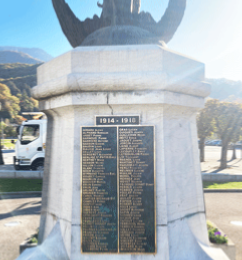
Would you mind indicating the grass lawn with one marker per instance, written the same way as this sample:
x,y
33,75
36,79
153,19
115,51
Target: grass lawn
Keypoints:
x,y
15,185
7,143
222,185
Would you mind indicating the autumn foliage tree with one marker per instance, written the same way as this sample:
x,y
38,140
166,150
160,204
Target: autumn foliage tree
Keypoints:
x,y
10,104
9,108
1,155
205,124
27,104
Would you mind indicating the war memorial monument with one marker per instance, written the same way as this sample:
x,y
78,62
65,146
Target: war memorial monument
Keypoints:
x,y
122,174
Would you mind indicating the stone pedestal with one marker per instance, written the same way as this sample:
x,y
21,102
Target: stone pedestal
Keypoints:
x,y
167,90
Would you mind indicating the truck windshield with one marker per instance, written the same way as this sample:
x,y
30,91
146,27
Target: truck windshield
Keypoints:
x,y
29,134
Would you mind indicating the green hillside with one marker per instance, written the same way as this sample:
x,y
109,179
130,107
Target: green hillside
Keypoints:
x,y
18,77
14,70
16,81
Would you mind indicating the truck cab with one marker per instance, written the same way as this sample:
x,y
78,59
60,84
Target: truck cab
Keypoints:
x,y
30,146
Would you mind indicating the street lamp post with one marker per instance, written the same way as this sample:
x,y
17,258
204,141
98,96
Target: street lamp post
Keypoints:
x,y
1,154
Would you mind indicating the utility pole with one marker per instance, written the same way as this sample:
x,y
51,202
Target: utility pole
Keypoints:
x,y
1,154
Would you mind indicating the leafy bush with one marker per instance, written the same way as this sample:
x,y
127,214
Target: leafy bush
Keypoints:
x,y
10,131
215,236
34,238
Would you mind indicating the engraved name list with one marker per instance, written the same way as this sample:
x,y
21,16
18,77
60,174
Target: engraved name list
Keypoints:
x,y
118,189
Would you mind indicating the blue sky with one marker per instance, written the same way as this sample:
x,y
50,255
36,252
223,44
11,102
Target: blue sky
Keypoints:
x,y
211,30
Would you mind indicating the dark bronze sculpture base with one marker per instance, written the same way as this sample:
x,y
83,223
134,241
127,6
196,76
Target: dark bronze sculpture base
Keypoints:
x,y
120,35
133,27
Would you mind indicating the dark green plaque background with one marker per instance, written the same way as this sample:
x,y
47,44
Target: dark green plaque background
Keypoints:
x,y
131,226
94,214
136,165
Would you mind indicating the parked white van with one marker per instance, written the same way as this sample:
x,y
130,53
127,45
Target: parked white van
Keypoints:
x,y
30,146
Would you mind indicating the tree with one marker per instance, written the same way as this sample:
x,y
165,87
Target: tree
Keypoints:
x,y
1,154
13,88
10,131
205,124
235,138
228,122
27,89
10,104
27,104
9,108
19,119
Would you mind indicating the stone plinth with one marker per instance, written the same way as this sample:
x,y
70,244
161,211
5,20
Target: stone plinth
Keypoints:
x,y
167,90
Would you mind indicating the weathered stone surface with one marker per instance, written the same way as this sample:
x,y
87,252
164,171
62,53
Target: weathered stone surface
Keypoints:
x,y
119,68
166,90
52,248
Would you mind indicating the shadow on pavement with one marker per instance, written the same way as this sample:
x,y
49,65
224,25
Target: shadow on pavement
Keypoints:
x,y
24,209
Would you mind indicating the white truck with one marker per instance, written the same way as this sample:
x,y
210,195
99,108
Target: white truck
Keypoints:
x,y
30,146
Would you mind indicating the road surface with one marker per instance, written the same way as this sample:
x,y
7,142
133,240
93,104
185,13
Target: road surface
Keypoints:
x,y
222,208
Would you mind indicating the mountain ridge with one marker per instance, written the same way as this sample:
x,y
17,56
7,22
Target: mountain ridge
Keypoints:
x,y
225,89
36,53
19,77
17,57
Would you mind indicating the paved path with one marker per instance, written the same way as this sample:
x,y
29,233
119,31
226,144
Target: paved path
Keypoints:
x,y
222,208
24,211
212,161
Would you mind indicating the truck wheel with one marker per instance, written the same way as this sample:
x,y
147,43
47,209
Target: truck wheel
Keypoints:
x,y
38,166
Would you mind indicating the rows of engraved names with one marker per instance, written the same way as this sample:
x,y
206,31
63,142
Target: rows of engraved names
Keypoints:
x,y
99,199
133,163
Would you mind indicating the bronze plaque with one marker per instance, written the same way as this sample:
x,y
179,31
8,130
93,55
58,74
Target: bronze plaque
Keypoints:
x,y
136,189
99,221
118,190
